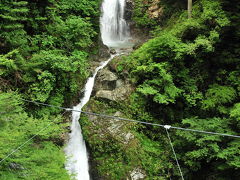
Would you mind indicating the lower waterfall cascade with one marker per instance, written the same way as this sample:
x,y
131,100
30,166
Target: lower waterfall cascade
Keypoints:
x,y
76,152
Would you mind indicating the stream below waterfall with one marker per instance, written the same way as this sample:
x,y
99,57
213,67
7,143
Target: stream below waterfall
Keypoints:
x,y
75,150
115,34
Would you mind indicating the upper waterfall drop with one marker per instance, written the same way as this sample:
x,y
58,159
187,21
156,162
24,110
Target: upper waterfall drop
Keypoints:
x,y
115,31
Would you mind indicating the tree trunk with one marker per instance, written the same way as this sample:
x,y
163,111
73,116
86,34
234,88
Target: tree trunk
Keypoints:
x,y
189,9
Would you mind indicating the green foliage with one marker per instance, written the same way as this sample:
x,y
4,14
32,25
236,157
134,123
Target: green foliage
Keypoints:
x,y
187,75
87,8
218,95
44,52
213,149
235,112
47,45
7,65
40,91
73,33
153,156
9,106
140,14
155,65
12,16
40,157
234,80
162,89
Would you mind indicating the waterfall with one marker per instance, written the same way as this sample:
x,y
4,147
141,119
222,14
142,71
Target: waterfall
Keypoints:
x,y
114,29
115,32
76,152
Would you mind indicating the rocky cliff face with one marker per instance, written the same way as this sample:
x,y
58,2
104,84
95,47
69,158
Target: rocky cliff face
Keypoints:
x,y
110,140
153,10
129,10
109,86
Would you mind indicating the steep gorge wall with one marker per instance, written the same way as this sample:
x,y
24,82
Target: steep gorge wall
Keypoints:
x,y
142,10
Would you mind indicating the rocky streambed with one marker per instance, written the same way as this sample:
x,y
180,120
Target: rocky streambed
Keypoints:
x,y
109,140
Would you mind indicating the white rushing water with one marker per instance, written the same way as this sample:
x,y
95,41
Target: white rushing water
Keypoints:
x,y
76,152
115,33
114,29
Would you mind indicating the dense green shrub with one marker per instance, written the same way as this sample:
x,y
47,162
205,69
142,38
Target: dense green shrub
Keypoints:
x,y
41,157
187,75
44,51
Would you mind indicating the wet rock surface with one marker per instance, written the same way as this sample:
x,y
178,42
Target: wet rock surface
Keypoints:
x,y
155,10
16,166
109,89
137,174
129,10
103,50
118,94
113,51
